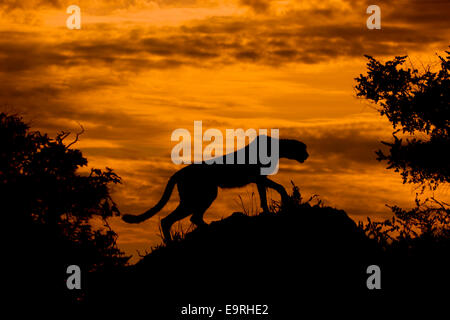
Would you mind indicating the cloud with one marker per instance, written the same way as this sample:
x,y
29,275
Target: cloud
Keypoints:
x,y
40,4
9,5
296,36
215,42
413,12
259,6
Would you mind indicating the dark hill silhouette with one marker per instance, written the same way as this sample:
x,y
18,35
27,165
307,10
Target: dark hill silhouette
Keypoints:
x,y
301,257
302,250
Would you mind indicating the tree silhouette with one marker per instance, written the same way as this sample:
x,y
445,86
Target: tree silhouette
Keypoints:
x,y
417,104
51,206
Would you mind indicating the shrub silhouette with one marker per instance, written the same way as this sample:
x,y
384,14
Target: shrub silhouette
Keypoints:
x,y
50,206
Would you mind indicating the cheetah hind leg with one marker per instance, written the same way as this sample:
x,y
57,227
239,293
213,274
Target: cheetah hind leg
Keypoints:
x,y
166,223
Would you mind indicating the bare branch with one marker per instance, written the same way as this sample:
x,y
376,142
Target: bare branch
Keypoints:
x,y
77,136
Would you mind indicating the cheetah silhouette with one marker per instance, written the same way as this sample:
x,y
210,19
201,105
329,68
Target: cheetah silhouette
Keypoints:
x,y
198,184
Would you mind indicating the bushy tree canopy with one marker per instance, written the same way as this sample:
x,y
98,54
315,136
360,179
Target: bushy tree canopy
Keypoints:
x,y
418,104
48,206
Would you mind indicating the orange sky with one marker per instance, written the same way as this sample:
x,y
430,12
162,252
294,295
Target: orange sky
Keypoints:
x,y
139,69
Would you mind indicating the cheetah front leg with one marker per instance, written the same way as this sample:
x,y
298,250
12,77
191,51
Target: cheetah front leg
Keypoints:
x,y
263,196
278,188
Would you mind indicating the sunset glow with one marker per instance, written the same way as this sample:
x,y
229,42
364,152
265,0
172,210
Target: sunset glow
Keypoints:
x,y
137,70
